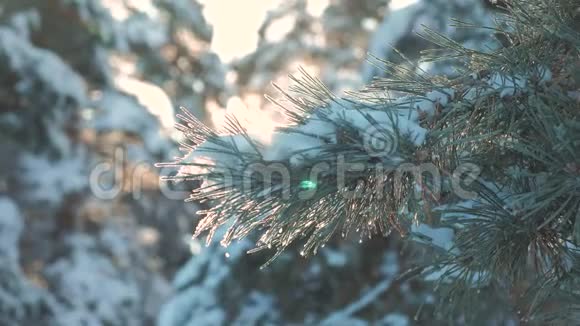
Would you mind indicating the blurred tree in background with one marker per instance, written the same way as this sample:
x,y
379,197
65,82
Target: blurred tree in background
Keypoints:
x,y
90,87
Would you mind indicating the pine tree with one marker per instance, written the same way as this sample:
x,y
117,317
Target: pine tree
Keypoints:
x,y
482,165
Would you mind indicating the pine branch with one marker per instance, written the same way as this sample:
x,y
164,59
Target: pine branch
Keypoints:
x,y
510,112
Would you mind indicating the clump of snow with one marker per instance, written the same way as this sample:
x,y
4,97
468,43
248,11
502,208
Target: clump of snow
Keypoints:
x,y
345,321
335,258
214,260
38,67
511,85
290,144
544,74
198,284
89,282
11,226
25,21
50,181
390,264
124,24
394,319
427,104
442,97
364,119
46,87
507,85
440,237
20,302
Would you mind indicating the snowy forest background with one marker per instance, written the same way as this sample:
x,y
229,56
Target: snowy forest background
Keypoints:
x,y
89,90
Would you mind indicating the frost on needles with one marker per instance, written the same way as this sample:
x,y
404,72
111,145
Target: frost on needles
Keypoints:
x,y
482,164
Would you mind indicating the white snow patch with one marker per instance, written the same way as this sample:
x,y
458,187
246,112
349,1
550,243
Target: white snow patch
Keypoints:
x,y
286,143
50,181
440,237
507,85
441,97
400,4
390,264
545,74
431,99
198,283
335,258
39,65
371,119
394,319
11,226
211,263
88,281
25,21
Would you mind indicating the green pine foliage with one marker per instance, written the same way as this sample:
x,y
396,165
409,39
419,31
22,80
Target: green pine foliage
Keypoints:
x,y
513,111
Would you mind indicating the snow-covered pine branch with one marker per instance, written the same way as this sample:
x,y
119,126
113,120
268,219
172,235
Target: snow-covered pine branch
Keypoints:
x,y
506,111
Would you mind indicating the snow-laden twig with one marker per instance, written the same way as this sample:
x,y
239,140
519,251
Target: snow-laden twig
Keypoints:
x,y
368,298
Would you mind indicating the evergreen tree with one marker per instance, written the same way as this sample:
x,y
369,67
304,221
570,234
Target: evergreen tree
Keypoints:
x,y
482,165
